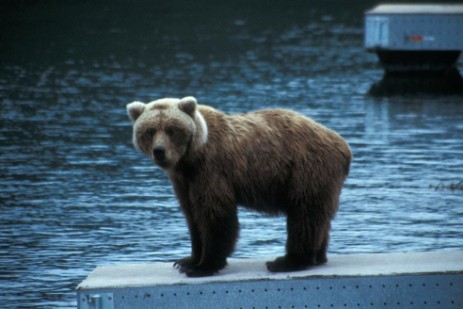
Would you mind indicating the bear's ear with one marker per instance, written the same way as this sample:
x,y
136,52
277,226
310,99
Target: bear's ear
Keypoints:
x,y
135,109
188,105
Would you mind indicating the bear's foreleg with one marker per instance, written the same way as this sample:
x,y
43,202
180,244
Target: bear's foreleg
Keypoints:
x,y
184,265
219,232
187,263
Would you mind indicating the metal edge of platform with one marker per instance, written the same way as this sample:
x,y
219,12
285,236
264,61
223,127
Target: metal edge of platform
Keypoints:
x,y
419,280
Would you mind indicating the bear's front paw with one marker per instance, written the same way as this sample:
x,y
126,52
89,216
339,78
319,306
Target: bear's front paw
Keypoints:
x,y
200,272
205,269
185,264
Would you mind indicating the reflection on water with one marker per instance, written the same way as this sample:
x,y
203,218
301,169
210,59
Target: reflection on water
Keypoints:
x,y
446,83
75,194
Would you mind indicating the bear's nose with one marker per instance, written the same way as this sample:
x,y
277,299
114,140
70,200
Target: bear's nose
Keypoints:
x,y
159,153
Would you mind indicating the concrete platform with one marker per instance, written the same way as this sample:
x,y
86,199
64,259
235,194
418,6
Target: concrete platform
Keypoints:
x,y
431,279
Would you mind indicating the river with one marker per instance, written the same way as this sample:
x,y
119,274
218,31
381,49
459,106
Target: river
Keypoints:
x,y
75,194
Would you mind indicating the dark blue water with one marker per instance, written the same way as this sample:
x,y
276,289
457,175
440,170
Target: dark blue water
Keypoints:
x,y
75,194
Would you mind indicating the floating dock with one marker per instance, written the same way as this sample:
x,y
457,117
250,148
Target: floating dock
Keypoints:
x,y
397,280
415,37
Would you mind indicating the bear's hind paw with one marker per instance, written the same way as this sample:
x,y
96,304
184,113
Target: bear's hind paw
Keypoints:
x,y
285,264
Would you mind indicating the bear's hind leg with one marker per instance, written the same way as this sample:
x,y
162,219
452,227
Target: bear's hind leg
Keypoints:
x,y
303,246
320,257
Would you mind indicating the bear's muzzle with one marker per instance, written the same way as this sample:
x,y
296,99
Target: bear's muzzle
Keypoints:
x,y
159,153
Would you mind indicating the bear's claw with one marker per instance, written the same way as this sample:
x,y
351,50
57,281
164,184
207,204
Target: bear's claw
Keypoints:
x,y
185,264
190,267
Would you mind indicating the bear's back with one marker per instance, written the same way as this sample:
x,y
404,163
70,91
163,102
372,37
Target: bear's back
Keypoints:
x,y
266,154
272,132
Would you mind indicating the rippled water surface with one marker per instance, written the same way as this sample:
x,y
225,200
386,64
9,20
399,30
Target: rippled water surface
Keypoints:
x,y
75,194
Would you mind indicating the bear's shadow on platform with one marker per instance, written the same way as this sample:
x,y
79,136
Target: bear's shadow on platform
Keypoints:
x,y
445,83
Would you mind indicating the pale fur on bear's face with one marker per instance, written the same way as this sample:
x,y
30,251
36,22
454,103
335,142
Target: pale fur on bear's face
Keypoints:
x,y
165,129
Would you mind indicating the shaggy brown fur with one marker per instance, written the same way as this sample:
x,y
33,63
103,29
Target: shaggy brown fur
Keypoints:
x,y
273,161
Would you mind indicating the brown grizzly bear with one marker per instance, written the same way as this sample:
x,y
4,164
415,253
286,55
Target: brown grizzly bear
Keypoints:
x,y
273,161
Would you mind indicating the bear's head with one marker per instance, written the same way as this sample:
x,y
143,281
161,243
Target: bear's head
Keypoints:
x,y
167,129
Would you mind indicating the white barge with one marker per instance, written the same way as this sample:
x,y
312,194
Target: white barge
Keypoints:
x,y
415,37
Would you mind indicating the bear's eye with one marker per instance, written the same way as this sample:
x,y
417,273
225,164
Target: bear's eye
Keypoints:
x,y
170,131
150,133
